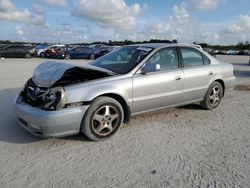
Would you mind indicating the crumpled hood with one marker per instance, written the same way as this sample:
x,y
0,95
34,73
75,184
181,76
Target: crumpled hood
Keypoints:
x,y
48,73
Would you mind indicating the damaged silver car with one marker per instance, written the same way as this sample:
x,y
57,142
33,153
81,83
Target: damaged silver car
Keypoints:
x,y
96,99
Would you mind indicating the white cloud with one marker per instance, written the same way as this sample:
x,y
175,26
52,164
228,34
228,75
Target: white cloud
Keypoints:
x,y
109,13
38,18
204,5
181,14
9,12
182,25
38,9
179,25
19,31
238,31
60,3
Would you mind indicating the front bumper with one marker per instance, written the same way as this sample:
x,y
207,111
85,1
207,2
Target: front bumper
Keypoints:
x,y
46,124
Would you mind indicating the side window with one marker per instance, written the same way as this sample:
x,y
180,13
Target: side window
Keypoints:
x,y
166,58
191,57
11,47
77,49
206,60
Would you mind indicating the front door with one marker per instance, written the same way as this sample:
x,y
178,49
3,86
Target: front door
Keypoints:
x,y
159,88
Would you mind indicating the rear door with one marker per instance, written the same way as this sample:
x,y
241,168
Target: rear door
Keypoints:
x,y
160,88
20,51
197,73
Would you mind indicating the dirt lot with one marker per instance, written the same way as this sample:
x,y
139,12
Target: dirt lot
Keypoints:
x,y
178,147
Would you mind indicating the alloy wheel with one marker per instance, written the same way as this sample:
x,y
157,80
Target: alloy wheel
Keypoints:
x,y
214,97
67,56
105,120
28,55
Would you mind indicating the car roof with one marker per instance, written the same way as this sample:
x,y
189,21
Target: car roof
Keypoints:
x,y
161,45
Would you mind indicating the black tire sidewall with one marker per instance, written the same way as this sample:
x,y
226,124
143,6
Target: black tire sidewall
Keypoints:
x,y
86,126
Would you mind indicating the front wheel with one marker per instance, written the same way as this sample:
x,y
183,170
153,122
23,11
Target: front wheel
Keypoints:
x,y
67,56
42,54
213,96
103,119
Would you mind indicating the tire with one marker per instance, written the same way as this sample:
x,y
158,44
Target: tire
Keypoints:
x,y
27,55
213,96
67,56
103,119
92,56
42,54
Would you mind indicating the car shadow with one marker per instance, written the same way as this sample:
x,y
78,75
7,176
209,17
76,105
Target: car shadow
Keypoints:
x,y
191,107
78,137
10,131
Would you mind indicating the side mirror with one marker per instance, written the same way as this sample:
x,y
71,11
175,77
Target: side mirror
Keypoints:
x,y
150,68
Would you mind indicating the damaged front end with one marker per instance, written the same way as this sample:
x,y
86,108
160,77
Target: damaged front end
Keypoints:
x,y
45,89
48,99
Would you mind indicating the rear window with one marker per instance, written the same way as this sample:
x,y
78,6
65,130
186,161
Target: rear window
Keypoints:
x,y
191,57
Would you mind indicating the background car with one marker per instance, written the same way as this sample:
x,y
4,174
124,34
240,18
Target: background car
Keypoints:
x,y
100,50
79,52
87,52
55,52
244,52
232,52
41,52
35,50
16,50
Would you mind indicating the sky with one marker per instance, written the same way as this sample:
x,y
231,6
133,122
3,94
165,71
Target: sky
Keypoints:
x,y
74,21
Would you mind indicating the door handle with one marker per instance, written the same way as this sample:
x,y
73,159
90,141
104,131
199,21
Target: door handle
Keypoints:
x,y
211,73
178,78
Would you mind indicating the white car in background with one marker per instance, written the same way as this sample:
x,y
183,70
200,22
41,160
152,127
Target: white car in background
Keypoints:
x,y
40,53
232,52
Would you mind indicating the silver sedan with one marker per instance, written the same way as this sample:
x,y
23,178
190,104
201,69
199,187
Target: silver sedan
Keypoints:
x,y
96,99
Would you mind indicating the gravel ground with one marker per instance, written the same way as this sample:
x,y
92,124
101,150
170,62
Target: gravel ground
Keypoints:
x,y
178,147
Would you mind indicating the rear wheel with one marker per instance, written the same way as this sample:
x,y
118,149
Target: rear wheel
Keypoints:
x,y
213,96
103,119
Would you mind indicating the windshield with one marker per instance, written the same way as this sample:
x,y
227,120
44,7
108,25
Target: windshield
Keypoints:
x,y
123,60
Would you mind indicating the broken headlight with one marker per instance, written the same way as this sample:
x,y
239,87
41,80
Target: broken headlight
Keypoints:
x,y
54,99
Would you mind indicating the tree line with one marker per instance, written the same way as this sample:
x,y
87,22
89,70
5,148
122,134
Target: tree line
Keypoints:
x,y
244,45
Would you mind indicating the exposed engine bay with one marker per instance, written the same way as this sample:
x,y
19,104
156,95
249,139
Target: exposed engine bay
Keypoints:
x,y
45,89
